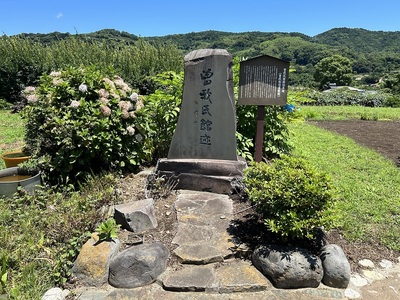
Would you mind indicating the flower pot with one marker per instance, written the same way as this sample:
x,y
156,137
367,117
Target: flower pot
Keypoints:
x,y
12,178
12,159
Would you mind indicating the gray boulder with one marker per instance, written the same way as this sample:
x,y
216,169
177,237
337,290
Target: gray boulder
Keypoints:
x,y
288,267
136,216
138,265
336,267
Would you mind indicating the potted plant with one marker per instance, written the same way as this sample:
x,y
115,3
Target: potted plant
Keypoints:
x,y
13,158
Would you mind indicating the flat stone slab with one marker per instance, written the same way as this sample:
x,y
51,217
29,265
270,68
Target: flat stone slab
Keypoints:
x,y
232,277
156,292
198,254
202,234
203,204
191,279
240,276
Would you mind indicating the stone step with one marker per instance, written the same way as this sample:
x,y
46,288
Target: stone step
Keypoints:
x,y
202,235
229,277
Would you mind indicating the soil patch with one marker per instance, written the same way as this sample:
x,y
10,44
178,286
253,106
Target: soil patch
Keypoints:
x,y
381,136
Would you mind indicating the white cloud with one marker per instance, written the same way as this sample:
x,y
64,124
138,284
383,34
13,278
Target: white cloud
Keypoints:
x,y
59,15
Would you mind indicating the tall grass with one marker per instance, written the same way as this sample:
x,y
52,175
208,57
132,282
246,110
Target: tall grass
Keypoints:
x,y
23,60
368,185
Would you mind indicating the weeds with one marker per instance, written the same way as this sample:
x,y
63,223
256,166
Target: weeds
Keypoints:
x,y
158,187
44,233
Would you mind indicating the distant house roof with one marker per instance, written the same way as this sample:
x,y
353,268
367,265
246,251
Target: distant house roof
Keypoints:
x,y
333,86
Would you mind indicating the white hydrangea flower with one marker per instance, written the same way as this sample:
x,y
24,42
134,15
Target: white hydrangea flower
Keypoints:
x,y
139,137
55,74
134,97
83,88
130,130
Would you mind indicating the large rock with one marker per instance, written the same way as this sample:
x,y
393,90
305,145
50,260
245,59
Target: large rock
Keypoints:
x,y
336,267
288,267
91,265
136,216
138,265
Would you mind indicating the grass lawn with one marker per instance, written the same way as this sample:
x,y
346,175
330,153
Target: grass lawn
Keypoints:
x,y
349,112
11,133
368,185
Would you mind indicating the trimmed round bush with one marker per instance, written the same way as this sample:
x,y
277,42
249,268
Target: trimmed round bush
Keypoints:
x,y
290,196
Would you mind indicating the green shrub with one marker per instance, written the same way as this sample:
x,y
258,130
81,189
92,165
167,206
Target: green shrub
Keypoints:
x,y
276,133
290,196
159,115
344,96
80,121
393,101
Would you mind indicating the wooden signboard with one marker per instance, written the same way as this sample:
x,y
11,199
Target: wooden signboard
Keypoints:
x,y
263,80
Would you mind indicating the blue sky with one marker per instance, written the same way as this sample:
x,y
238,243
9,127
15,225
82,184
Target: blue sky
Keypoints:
x,y
162,17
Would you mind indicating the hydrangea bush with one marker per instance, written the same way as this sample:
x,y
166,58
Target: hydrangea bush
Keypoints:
x,y
81,121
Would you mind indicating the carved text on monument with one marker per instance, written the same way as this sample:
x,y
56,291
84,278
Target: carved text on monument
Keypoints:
x,y
205,95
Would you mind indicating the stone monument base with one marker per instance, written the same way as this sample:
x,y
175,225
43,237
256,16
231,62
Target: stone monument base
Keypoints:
x,y
208,175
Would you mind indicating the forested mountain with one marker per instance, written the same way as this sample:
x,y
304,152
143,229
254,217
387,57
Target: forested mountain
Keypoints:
x,y
361,40
375,53
104,35
356,39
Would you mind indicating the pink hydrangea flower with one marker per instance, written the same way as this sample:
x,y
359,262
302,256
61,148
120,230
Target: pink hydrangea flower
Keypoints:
x,y
109,82
105,110
125,114
139,104
75,104
29,90
31,98
125,105
104,100
103,93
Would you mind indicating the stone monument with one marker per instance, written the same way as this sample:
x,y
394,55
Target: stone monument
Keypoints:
x,y
202,154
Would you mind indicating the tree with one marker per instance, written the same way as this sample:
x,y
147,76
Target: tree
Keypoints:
x,y
333,69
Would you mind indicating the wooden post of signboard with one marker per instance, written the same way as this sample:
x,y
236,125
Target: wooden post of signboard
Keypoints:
x,y
263,80
259,133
